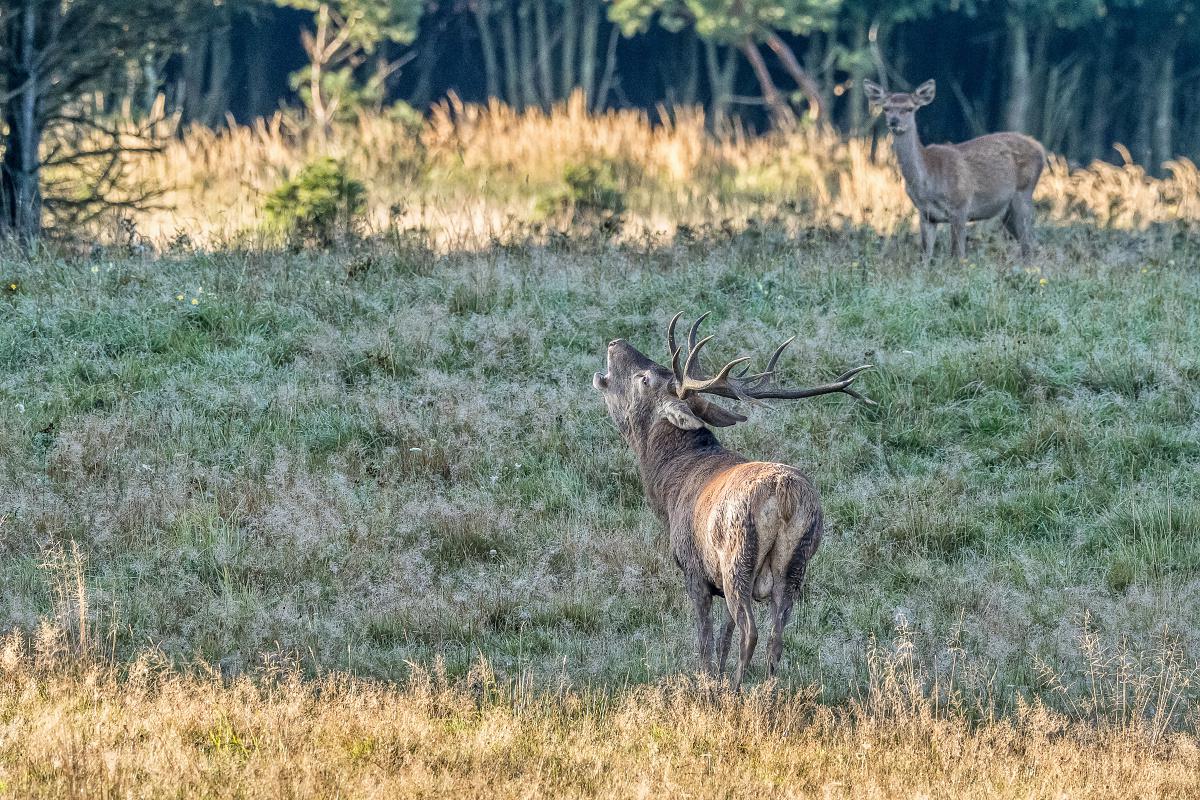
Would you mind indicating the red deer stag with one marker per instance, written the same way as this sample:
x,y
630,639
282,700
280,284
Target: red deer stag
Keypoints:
x,y
741,529
960,183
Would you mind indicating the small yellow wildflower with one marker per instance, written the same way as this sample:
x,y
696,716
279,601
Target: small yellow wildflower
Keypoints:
x,y
1043,281
195,301
12,286
95,269
179,297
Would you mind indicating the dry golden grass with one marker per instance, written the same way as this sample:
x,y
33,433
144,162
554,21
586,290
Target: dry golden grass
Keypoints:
x,y
73,729
472,173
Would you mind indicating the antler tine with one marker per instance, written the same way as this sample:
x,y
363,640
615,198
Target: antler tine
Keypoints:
x,y
674,348
719,384
695,328
692,345
778,352
671,346
693,355
676,370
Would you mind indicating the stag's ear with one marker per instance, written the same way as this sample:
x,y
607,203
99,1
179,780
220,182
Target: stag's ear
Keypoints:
x,y
875,93
925,93
712,413
679,414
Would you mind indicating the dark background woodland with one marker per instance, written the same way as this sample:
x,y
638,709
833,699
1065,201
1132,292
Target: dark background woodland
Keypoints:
x,y
1080,75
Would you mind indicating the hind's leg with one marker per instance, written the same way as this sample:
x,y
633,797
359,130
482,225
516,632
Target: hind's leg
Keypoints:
x,y
1010,221
1022,211
958,237
928,238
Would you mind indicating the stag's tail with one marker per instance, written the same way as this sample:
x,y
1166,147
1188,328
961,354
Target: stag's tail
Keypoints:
x,y
788,528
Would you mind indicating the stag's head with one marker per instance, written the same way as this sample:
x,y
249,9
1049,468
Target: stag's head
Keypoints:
x,y
639,392
900,108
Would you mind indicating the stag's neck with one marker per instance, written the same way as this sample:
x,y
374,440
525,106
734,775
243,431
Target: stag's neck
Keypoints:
x,y
674,463
911,155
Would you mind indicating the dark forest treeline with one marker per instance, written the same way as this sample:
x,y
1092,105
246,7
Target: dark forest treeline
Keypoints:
x,y
1077,75
1080,75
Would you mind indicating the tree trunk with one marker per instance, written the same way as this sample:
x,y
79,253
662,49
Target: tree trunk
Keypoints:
x,y
570,35
528,72
1143,144
512,73
857,111
720,82
20,178
781,114
1164,105
1101,99
610,71
491,67
544,53
427,63
587,49
216,92
690,69
812,92
1039,80
1016,114
195,59
257,69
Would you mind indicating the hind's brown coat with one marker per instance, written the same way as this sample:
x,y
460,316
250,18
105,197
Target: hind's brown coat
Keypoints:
x,y
979,179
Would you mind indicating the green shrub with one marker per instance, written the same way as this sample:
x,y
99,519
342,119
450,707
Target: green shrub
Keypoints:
x,y
320,205
593,194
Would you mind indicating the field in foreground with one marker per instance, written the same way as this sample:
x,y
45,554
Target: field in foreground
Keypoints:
x,y
84,733
385,461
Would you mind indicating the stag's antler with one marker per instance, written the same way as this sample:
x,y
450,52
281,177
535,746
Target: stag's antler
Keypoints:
x,y
689,378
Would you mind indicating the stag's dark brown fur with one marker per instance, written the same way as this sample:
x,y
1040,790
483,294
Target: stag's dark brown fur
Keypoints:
x,y
741,529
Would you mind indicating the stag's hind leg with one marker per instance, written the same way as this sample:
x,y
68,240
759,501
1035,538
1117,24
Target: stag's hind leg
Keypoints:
x,y
740,601
789,581
783,597
726,640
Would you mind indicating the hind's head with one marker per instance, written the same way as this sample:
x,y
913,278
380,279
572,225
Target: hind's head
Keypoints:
x,y
900,108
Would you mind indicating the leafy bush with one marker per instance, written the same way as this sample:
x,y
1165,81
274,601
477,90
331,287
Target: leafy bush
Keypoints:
x,y
593,195
320,205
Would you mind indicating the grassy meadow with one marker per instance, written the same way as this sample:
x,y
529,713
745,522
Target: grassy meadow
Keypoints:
x,y
278,521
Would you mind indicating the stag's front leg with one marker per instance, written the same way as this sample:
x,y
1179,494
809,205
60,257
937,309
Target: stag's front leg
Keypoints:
x,y
701,596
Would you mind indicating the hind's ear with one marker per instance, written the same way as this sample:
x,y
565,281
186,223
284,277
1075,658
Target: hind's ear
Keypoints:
x,y
679,414
713,414
925,93
875,93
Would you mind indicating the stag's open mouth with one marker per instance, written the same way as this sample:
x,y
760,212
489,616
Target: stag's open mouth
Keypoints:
x,y
897,128
600,380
